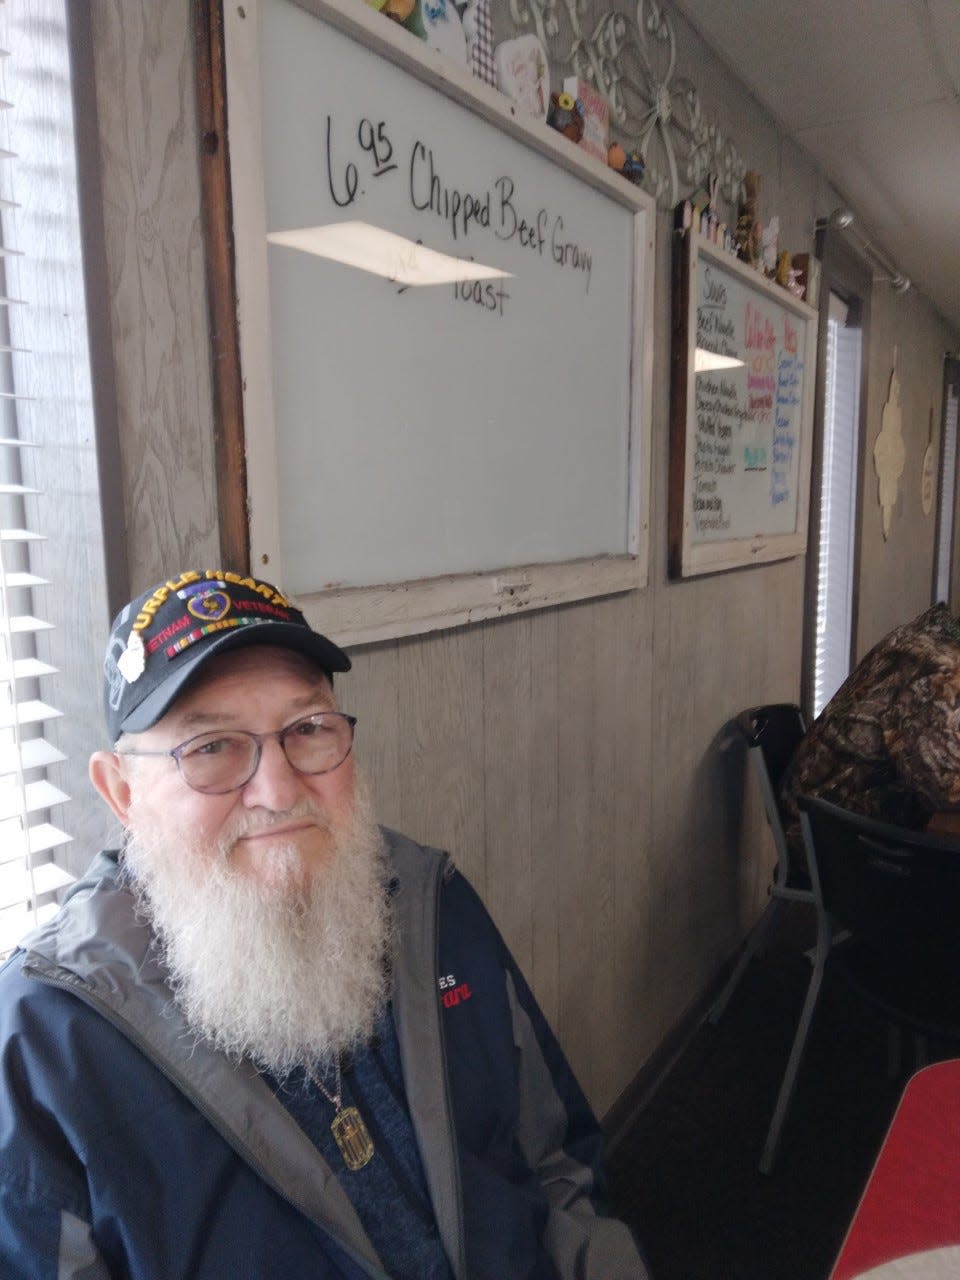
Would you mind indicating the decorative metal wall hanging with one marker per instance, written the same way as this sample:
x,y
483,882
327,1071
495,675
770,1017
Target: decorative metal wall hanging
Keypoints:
x,y
632,59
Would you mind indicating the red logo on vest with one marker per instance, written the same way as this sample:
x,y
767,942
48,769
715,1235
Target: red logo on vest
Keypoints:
x,y
453,992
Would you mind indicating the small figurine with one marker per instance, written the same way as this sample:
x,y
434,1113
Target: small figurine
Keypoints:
x,y
634,168
631,166
437,22
713,212
748,230
566,115
398,10
769,252
520,68
616,156
700,200
795,283
784,267
807,269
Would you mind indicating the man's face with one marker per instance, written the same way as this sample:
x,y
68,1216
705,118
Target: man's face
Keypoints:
x,y
275,829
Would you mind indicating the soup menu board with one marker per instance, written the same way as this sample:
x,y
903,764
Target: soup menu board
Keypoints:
x,y
741,414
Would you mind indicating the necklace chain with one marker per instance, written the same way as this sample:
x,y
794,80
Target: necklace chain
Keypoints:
x,y
335,1099
348,1126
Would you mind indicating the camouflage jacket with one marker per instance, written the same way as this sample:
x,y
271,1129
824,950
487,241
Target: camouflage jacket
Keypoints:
x,y
888,742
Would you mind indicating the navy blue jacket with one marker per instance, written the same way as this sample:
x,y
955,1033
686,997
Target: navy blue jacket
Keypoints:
x,y
129,1150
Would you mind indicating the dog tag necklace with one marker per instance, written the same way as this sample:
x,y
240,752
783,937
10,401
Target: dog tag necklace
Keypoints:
x,y
348,1128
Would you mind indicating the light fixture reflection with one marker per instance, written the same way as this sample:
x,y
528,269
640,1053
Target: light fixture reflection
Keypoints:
x,y
704,361
360,244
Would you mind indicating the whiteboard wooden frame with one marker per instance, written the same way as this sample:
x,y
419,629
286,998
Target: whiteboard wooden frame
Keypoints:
x,y
355,615
686,557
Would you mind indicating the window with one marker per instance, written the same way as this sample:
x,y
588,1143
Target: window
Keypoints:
x,y
49,470
838,504
29,877
948,481
830,612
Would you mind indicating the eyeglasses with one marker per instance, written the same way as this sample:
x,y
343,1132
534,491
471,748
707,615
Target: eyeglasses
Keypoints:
x,y
215,763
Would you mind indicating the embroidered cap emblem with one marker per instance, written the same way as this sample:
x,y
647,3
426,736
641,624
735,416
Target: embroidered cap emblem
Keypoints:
x,y
210,606
132,661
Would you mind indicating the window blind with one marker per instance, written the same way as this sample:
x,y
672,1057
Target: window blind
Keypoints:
x,y
29,876
838,504
948,489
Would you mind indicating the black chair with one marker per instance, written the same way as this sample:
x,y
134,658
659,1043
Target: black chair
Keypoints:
x,y
771,734
897,892
888,909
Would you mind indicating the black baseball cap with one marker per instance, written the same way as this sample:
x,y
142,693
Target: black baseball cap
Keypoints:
x,y
160,641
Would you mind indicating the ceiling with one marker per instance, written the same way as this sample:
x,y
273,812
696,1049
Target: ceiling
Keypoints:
x,y
870,89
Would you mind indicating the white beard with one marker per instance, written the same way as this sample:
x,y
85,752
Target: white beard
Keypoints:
x,y
285,974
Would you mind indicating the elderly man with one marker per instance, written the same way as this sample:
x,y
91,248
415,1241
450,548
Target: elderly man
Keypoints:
x,y
268,1038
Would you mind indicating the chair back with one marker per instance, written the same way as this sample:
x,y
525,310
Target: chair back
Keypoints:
x,y
772,734
880,881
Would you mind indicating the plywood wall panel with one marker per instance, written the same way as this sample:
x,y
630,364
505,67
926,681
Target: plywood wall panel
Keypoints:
x,y
584,881
440,720
520,735
707,870
371,692
626,649
151,196
548,715
896,574
604,770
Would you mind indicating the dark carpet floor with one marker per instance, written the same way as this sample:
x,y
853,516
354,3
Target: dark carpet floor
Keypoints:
x,y
685,1176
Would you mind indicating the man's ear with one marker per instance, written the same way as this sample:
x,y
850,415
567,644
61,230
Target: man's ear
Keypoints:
x,y
107,776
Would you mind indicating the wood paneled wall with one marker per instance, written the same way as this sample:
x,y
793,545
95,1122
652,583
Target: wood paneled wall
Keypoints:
x,y
577,762
897,573
597,808
151,204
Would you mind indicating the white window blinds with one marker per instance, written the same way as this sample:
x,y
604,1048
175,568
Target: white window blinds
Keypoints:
x,y
838,503
29,875
948,489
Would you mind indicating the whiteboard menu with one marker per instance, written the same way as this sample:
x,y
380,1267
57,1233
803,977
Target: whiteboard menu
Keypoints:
x,y
741,429
467,433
